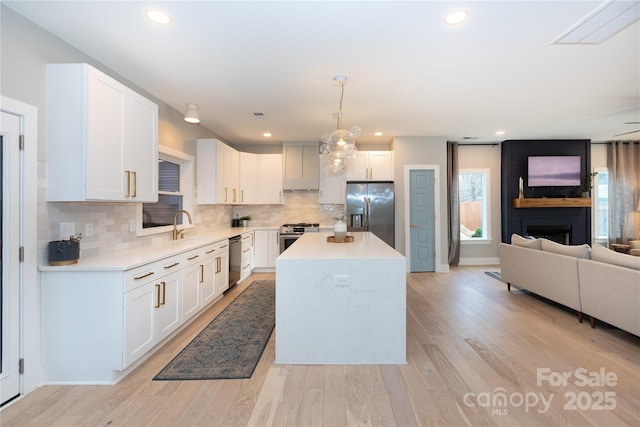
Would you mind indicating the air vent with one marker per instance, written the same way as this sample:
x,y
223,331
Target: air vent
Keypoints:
x,y
602,23
258,115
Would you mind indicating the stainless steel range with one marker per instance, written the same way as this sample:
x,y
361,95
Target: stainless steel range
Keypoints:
x,y
289,233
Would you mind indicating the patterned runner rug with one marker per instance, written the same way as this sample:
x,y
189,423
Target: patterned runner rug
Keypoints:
x,y
230,346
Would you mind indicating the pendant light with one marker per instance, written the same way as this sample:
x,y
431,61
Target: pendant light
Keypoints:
x,y
338,148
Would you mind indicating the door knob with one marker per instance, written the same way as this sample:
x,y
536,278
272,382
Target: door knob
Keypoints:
x,y
414,225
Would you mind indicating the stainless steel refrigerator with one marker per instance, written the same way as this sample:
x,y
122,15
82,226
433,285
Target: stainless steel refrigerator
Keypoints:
x,y
370,207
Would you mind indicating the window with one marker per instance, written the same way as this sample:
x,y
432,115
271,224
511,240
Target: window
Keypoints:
x,y
600,201
175,192
474,203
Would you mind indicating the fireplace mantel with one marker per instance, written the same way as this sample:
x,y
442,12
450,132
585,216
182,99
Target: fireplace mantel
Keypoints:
x,y
545,202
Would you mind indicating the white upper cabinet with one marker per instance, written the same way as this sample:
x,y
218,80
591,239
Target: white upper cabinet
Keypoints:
x,y
270,179
248,178
371,166
300,166
218,172
102,138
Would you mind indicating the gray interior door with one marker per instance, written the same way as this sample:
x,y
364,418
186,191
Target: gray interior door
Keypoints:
x,y
422,220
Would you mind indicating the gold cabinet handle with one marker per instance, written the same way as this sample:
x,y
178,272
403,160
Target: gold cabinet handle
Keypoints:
x,y
158,295
128,184
234,195
225,194
193,257
164,292
242,196
209,251
166,267
135,184
151,273
201,273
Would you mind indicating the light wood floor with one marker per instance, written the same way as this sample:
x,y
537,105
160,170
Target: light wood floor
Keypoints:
x,y
469,341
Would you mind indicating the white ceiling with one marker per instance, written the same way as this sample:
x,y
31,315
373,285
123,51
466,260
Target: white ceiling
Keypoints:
x,y
409,73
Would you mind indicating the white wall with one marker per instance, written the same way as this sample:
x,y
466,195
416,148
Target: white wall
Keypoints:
x,y
425,150
484,157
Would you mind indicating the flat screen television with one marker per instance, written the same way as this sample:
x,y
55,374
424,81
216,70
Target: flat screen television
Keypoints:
x,y
554,171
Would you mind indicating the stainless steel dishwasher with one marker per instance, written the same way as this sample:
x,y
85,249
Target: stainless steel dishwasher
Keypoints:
x,y
235,259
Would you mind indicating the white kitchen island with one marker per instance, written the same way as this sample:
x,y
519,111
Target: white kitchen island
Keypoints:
x,y
340,303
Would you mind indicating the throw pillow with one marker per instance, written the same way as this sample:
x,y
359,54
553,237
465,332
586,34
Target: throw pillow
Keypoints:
x,y
602,254
518,240
578,251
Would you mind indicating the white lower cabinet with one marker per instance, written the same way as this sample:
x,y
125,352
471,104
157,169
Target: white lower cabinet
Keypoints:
x,y
266,248
97,322
152,313
191,279
246,257
152,308
222,270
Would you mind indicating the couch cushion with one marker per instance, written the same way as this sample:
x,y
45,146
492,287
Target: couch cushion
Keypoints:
x,y
578,251
518,240
602,254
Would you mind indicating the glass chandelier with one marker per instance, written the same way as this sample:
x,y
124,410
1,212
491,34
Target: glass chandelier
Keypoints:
x,y
338,148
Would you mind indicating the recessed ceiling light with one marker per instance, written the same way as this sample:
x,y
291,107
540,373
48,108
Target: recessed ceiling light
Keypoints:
x,y
378,134
456,17
500,132
158,16
267,134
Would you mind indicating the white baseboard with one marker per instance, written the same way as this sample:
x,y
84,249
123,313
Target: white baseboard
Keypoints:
x,y
479,261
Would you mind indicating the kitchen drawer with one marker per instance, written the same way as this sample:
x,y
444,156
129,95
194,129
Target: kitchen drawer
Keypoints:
x,y
192,257
139,276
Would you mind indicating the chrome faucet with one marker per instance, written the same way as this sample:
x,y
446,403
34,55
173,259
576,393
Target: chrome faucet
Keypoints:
x,y
177,232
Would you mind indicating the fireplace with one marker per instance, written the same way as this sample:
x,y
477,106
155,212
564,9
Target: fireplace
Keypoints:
x,y
560,233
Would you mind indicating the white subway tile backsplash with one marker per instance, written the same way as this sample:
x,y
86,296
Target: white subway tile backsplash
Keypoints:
x,y
111,220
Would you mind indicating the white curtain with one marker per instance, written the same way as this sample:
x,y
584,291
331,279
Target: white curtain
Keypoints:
x,y
623,162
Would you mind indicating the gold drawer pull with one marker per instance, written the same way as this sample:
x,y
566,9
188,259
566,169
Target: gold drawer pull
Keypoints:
x,y
166,267
144,275
193,257
135,184
201,273
164,292
158,299
128,184
209,251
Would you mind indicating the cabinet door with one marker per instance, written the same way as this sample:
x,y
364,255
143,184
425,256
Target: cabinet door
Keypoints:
x,y
222,274
332,189
232,174
208,280
227,173
168,300
139,330
261,249
141,149
191,277
270,179
249,178
358,169
300,169
104,169
381,165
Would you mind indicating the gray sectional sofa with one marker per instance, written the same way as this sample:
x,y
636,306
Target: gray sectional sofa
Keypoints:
x,y
595,281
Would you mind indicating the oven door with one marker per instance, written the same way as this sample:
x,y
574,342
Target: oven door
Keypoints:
x,y
287,240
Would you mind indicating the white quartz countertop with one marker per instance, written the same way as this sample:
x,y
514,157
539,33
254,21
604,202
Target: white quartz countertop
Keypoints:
x,y
127,259
366,245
